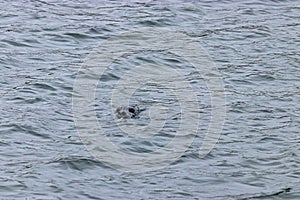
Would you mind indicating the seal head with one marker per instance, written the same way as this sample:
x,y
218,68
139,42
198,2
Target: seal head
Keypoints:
x,y
125,112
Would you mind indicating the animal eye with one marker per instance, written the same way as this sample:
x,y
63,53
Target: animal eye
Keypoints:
x,y
131,110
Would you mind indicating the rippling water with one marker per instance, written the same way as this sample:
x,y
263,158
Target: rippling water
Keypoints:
x,y
255,45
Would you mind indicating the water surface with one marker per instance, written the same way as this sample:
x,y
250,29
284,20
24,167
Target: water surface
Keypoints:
x,y
255,46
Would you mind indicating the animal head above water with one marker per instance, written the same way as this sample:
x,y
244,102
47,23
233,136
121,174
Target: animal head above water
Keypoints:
x,y
126,112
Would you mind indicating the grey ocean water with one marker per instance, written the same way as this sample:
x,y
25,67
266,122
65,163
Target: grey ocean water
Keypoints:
x,y
255,45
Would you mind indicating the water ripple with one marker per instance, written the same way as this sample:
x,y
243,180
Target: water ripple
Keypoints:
x,y
255,45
